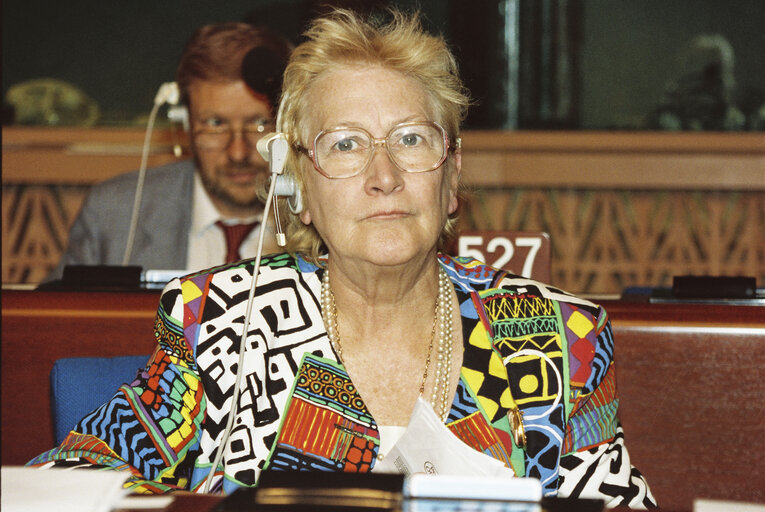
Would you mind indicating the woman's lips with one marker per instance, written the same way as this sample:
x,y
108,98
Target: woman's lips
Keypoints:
x,y
386,215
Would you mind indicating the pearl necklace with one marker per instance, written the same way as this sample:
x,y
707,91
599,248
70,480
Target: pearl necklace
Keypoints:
x,y
443,314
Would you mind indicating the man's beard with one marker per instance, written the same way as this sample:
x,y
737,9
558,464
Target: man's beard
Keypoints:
x,y
220,192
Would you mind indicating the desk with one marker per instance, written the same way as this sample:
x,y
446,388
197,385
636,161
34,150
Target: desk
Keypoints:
x,y
182,503
691,380
204,503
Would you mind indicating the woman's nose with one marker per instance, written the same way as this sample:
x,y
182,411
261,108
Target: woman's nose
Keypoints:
x,y
383,174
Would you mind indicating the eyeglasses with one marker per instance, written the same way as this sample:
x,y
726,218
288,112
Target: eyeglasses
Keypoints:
x,y
345,152
213,136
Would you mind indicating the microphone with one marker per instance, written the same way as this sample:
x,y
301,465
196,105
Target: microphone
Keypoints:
x,y
262,71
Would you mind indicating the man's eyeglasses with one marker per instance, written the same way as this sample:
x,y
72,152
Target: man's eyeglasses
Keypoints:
x,y
214,136
345,152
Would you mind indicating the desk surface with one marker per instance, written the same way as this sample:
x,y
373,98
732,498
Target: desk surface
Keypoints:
x,y
182,503
642,313
204,503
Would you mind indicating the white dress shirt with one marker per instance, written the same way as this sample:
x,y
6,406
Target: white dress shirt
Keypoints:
x,y
207,243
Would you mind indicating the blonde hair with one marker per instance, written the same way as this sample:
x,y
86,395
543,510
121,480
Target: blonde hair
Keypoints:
x,y
343,38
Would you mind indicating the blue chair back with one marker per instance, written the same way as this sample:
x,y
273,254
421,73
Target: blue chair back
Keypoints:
x,y
80,384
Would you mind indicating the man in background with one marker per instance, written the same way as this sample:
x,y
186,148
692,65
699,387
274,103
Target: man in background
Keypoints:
x,y
202,212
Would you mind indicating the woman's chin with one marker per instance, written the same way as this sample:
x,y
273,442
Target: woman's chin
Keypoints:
x,y
391,249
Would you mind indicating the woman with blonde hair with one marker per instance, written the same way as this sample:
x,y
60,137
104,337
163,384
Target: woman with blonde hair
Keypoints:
x,y
364,320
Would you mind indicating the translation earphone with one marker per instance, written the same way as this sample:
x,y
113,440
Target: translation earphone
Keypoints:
x,y
275,153
274,146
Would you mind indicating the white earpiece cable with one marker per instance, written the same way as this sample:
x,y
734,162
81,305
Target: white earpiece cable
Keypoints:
x,y
277,166
167,93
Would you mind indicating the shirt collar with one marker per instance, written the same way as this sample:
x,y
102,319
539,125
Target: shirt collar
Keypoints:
x,y
204,214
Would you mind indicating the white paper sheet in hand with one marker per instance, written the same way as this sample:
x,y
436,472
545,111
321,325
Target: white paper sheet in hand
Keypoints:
x,y
429,447
45,490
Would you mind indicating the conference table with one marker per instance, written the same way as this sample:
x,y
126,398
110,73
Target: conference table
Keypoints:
x,y
189,503
690,377
182,503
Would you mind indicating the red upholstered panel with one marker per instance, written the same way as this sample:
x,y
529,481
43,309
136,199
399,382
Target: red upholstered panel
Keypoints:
x,y
691,381
40,327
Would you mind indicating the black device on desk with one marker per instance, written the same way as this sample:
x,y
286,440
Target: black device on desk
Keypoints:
x,y
110,278
711,290
729,290
322,491
318,491
714,287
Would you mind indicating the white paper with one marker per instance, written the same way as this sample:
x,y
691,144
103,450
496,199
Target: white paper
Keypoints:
x,y
153,502
701,505
60,490
428,446
473,487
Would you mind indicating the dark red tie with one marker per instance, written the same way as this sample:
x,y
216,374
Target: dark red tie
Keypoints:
x,y
235,234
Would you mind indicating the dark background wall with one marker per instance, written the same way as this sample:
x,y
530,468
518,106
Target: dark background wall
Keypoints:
x,y
120,52
630,49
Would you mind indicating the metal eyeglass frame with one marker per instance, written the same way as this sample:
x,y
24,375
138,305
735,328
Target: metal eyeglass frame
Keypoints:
x,y
261,130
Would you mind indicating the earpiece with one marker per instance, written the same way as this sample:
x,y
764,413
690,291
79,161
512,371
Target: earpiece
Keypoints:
x,y
274,148
179,114
168,93
265,147
286,186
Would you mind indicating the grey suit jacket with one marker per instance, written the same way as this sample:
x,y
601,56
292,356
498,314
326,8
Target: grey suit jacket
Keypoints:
x,y
99,234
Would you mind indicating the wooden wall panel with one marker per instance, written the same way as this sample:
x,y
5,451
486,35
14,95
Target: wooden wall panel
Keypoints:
x,y
606,240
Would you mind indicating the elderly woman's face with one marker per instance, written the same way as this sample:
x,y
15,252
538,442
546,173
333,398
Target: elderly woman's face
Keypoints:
x,y
384,215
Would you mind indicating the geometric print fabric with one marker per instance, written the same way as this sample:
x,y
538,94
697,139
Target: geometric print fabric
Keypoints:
x,y
518,347
590,424
527,340
326,425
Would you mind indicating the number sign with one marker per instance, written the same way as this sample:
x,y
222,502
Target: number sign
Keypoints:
x,y
526,253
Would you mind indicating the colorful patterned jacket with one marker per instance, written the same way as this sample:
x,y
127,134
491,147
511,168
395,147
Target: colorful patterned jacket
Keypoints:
x,y
549,352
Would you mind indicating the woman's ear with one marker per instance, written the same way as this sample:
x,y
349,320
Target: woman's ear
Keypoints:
x,y
454,180
305,216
